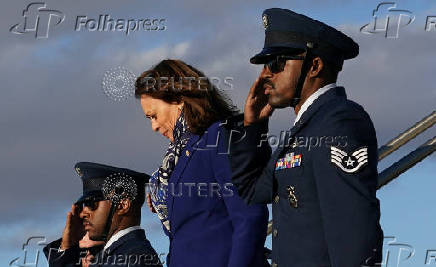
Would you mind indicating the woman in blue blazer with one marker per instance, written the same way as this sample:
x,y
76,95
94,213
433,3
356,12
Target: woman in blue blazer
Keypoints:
x,y
207,223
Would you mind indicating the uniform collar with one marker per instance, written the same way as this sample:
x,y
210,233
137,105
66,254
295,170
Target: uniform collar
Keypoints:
x,y
330,95
120,234
312,98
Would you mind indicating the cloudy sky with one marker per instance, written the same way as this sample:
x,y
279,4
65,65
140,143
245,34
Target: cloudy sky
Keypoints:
x,y
54,113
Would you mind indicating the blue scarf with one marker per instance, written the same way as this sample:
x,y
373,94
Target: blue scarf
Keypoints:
x,y
159,179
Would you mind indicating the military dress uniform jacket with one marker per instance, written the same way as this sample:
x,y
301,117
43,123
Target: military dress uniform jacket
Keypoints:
x,y
323,195
130,250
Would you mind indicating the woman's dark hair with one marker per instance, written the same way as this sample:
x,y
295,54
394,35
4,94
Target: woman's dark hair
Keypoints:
x,y
174,81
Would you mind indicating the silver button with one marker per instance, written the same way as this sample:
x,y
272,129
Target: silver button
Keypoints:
x,y
276,199
275,233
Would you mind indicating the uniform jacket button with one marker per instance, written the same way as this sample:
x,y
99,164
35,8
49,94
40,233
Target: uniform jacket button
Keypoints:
x,y
187,153
275,232
276,199
274,264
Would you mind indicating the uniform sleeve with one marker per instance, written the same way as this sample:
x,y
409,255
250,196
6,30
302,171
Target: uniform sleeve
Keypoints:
x,y
67,258
249,221
346,179
252,172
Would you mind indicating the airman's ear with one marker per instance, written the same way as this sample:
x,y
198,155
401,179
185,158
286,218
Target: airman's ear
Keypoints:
x,y
124,206
316,68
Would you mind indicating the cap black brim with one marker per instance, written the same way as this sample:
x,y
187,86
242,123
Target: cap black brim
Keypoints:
x,y
266,53
93,195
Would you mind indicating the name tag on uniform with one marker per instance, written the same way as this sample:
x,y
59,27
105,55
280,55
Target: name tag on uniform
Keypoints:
x,y
289,161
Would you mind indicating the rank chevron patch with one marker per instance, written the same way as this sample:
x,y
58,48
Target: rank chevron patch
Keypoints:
x,y
349,163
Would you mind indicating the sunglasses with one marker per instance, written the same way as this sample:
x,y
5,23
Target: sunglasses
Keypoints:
x,y
91,204
277,64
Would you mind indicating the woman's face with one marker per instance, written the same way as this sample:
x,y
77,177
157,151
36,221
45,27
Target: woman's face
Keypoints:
x,y
163,115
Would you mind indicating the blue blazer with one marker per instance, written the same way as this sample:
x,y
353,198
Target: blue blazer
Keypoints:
x,y
210,225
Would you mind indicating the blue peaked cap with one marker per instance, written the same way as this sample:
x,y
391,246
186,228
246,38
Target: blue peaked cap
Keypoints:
x,y
287,32
93,176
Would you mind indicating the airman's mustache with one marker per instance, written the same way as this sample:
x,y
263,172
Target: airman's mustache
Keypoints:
x,y
266,81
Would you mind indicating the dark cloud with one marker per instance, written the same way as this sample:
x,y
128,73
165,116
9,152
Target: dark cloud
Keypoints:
x,y
52,101
54,112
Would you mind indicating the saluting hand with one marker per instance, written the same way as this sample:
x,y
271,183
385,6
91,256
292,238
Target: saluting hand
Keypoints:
x,y
256,105
74,230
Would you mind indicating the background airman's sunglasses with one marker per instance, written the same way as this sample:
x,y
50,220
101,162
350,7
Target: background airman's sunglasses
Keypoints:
x,y
90,203
277,63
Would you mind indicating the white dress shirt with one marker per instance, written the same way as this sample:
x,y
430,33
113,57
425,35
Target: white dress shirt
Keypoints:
x,y
312,98
119,234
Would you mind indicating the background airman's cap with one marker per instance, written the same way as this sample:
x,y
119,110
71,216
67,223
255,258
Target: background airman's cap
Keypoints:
x,y
98,178
287,32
